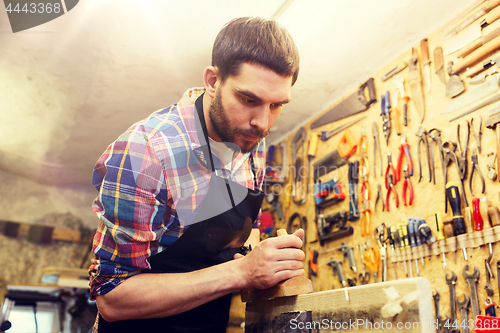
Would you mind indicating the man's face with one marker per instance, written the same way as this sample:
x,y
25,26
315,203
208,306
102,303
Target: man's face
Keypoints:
x,y
246,105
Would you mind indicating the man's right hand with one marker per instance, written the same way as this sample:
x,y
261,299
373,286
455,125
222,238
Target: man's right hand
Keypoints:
x,y
273,260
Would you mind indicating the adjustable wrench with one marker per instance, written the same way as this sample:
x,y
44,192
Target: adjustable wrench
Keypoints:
x,y
452,281
472,283
463,306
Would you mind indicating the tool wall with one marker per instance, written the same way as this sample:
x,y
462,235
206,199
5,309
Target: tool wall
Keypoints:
x,y
429,212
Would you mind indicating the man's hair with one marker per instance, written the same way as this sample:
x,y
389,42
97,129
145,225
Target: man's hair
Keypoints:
x,y
255,40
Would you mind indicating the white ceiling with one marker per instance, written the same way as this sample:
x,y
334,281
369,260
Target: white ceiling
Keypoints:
x,y
69,87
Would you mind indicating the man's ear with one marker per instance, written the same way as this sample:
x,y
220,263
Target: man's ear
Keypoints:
x,y
210,80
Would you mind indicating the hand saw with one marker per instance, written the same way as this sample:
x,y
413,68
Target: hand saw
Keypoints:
x,y
353,104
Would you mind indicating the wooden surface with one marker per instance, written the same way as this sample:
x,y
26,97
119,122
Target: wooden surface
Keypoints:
x,y
332,309
428,197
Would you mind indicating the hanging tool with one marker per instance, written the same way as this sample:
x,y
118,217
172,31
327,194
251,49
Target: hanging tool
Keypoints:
x,y
477,106
379,197
475,44
407,186
402,65
471,280
366,222
405,241
327,164
398,243
492,173
462,153
337,268
422,137
392,241
415,82
463,306
333,226
376,148
412,240
489,5
489,308
475,95
353,190
390,189
424,48
474,71
451,282
440,234
379,235
435,135
313,267
479,133
311,154
439,63
449,155
328,193
475,56
364,277
327,135
404,149
489,275
386,116
297,142
371,258
425,233
353,104
347,145
441,322
418,237
474,166
492,123
399,82
362,151
458,219
348,252
483,210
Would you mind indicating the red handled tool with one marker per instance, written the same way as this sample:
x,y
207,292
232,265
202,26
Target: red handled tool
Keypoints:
x,y
404,149
407,186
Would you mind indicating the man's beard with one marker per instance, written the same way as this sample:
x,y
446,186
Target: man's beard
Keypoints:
x,y
221,126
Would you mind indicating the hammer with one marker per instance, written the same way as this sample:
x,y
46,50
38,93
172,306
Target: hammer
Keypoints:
x,y
492,123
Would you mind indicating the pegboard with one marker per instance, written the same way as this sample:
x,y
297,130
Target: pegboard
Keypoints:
x,y
429,198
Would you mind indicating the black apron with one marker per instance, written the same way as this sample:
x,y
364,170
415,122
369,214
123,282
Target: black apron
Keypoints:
x,y
206,243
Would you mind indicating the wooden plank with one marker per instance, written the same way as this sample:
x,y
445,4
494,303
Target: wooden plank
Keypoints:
x,y
331,310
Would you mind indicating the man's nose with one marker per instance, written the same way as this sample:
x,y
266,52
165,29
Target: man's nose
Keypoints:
x,y
260,118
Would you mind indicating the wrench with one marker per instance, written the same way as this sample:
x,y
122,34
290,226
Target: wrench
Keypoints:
x,y
440,321
472,283
463,306
452,281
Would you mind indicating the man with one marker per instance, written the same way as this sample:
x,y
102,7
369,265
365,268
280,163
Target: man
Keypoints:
x,y
179,194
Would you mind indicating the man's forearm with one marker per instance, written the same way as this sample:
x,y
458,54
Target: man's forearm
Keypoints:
x,y
151,295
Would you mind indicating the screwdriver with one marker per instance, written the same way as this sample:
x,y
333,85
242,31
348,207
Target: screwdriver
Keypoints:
x,y
391,243
418,239
453,195
483,209
313,267
413,240
440,235
397,245
405,241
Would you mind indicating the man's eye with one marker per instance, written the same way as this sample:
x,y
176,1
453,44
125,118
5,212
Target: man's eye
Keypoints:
x,y
248,101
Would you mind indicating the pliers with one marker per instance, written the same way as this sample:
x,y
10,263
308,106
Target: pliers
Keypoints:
x,y
404,149
477,134
390,189
379,197
407,186
390,168
462,153
474,166
422,137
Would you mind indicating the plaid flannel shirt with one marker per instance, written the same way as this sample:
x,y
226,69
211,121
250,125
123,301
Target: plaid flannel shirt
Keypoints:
x,y
140,178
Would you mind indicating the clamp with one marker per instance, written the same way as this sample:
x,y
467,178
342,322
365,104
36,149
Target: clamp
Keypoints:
x,y
407,186
474,166
379,197
404,149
